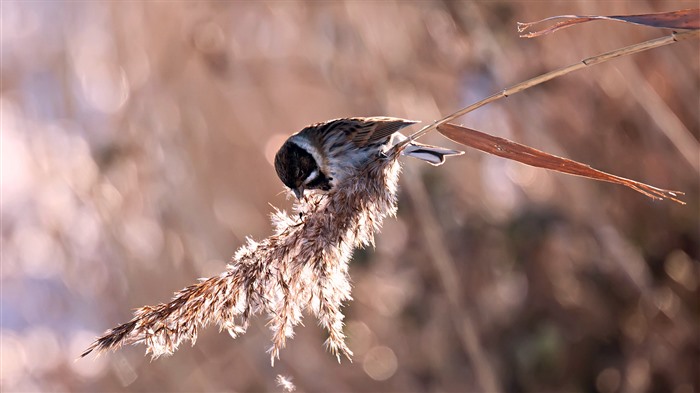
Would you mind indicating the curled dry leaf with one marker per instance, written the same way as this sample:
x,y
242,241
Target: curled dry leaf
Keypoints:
x,y
527,155
682,19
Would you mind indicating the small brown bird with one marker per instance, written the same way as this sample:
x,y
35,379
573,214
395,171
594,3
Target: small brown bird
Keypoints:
x,y
322,155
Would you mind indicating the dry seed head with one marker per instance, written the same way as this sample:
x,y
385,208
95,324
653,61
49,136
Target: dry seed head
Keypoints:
x,y
303,266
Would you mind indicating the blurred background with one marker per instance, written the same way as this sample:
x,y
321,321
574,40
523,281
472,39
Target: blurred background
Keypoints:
x,y
137,147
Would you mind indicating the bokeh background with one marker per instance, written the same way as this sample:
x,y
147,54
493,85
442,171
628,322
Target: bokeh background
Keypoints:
x,y
137,147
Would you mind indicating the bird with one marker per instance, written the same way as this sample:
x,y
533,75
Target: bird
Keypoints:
x,y
322,155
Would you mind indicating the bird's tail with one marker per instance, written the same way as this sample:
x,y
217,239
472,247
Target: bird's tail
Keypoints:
x,y
433,155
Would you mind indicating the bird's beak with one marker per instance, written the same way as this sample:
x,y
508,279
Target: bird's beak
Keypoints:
x,y
298,192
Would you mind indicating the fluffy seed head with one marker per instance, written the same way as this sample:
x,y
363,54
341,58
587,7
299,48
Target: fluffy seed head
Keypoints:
x,y
301,267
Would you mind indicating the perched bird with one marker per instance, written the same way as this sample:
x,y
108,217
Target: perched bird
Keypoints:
x,y
302,267
322,155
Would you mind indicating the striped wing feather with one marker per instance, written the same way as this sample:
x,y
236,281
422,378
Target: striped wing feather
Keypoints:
x,y
374,129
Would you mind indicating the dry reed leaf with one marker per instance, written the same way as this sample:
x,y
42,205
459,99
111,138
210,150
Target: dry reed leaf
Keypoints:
x,y
527,155
681,19
522,86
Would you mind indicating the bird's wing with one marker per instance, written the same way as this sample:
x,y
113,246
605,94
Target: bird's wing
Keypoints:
x,y
373,129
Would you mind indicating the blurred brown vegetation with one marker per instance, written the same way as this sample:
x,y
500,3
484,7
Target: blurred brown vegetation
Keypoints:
x,y
137,140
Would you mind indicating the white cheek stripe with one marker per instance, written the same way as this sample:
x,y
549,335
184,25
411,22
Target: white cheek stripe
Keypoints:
x,y
311,149
313,175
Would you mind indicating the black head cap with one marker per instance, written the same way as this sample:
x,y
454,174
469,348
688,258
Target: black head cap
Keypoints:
x,y
294,165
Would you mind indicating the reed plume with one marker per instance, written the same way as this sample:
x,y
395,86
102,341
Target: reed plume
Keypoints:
x,y
302,267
